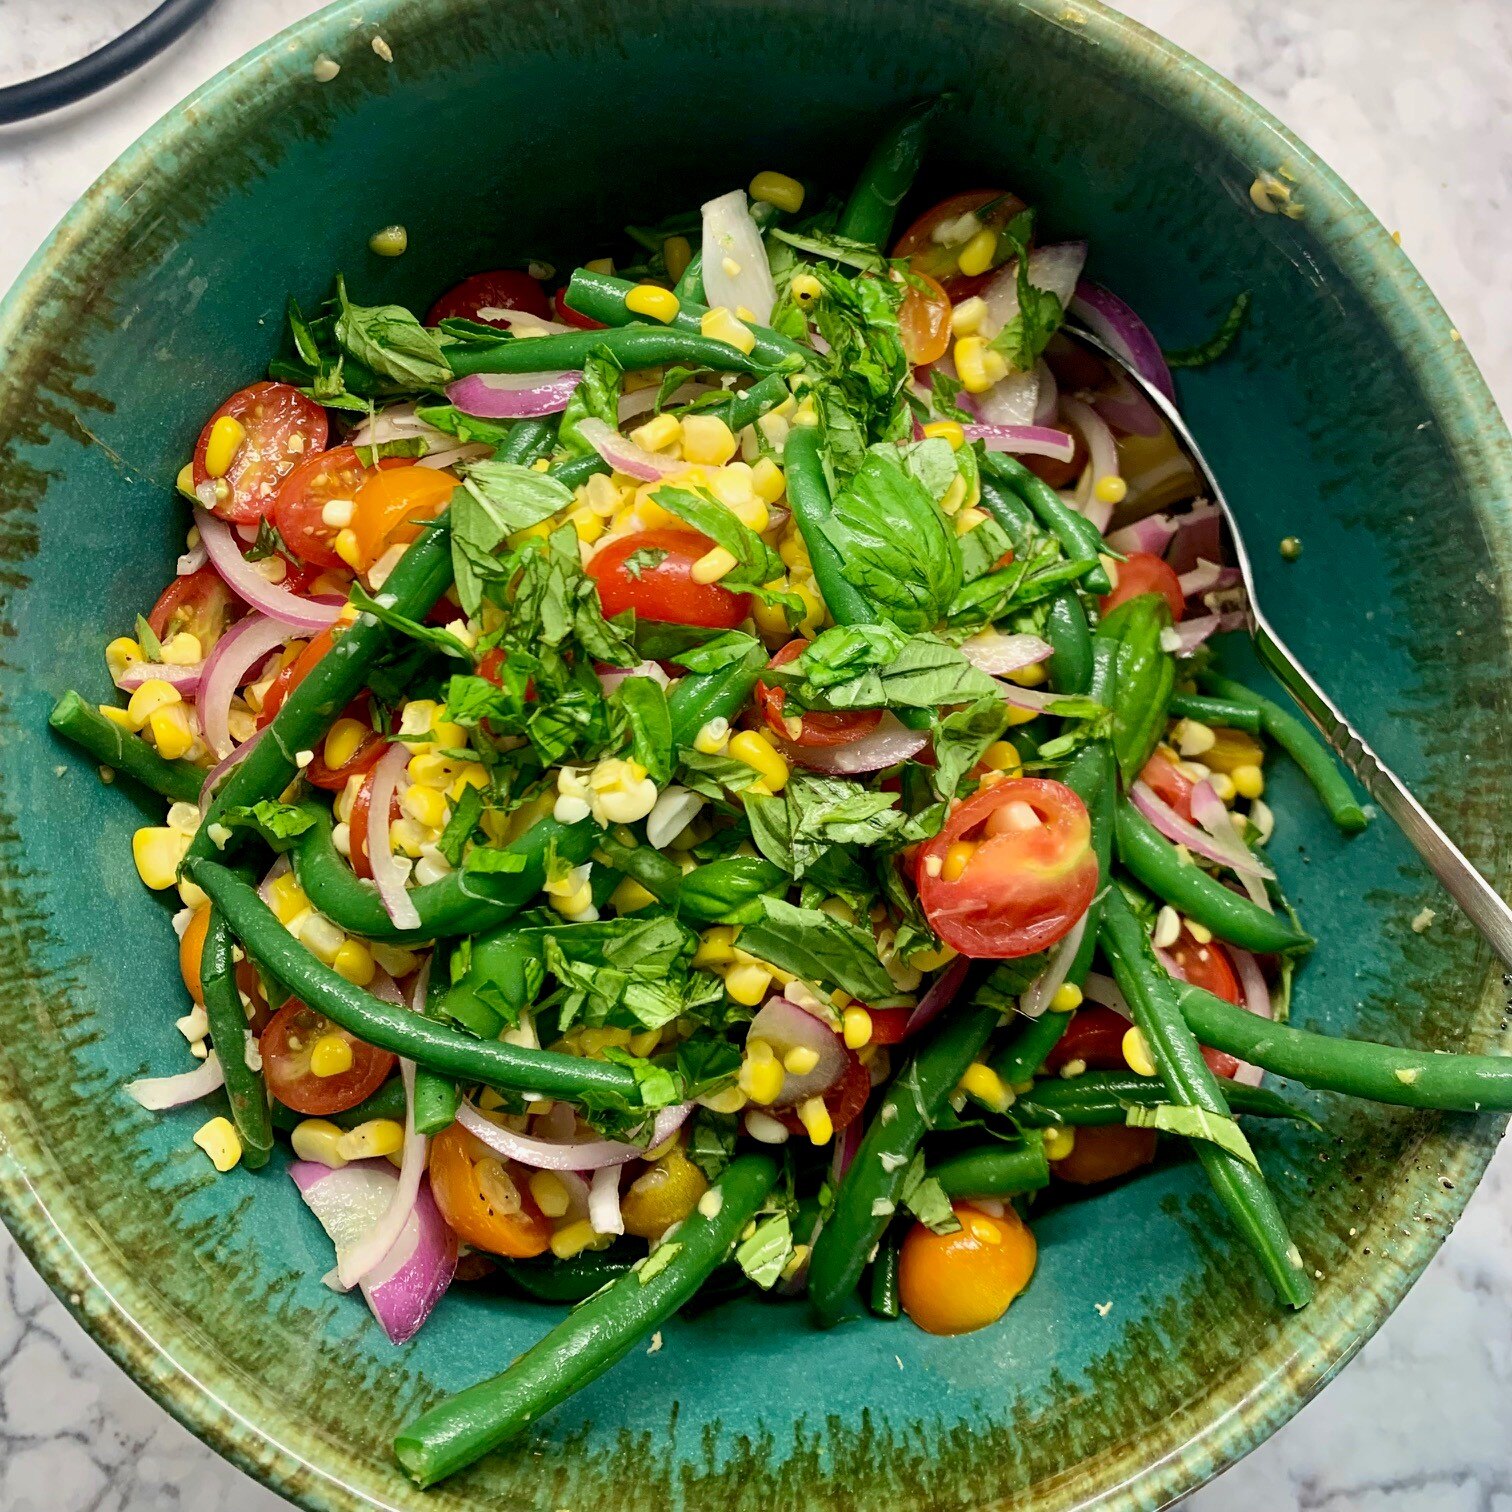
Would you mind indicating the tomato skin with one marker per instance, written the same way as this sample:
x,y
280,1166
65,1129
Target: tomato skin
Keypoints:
x,y
199,602
1105,1153
1145,573
283,428
844,1100
666,592
819,727
357,825
927,256
888,1025
924,322
956,1283
468,1182
285,1046
568,316
393,503
1169,783
1021,890
1095,1037
192,950
367,755
1209,967
500,289
292,675
335,474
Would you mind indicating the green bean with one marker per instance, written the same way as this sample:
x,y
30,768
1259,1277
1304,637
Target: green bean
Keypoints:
x,y
1225,712
868,1194
389,1027
1357,1068
386,1102
601,296
886,178
435,1096
107,742
501,959
1239,1185
632,346
1298,742
995,1169
595,1336
1070,643
572,1280
690,287
1104,1097
1078,536
245,1089
713,893
883,1298
1010,512
1191,891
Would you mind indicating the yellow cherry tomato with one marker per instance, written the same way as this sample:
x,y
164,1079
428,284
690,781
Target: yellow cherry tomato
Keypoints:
x,y
955,1283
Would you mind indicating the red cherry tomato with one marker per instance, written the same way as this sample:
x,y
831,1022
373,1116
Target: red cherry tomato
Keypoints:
x,y
1095,1037
924,322
304,494
292,675
888,1025
1101,1154
286,1044
283,428
1056,473
1144,573
666,591
1209,967
844,1101
199,603
1169,783
818,727
942,262
1027,878
367,755
502,289
568,316
357,825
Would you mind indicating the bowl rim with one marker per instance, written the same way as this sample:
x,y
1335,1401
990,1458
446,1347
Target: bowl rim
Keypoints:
x,y
1205,1436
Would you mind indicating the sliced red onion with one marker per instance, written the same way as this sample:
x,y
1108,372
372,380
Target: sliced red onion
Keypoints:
x,y
1191,633
370,1250
1037,699
279,868
1024,440
249,585
993,652
785,1026
513,396
217,773
247,644
1199,842
942,992
389,872
846,1145
1119,328
1207,576
185,679
1013,400
604,1201
1047,401
1209,812
675,809
612,677
1034,1002
522,322
1102,459
558,1155
1152,534
192,560
1126,409
399,422
1098,988
623,455
1197,533
155,1093
404,1287
1257,998
887,745
731,236
453,456
643,400
1056,268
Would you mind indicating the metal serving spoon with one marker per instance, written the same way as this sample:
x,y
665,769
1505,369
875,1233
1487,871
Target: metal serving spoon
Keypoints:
x,y
1480,901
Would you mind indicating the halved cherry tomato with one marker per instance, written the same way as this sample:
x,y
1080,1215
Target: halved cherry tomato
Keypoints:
x,y
1103,1153
283,428
481,1199
888,1025
502,289
666,591
818,727
844,1100
1170,784
293,674
941,261
568,316
367,755
924,321
286,1044
199,603
1209,967
954,1283
1028,876
191,955
1094,1037
357,824
304,494
1145,573
393,504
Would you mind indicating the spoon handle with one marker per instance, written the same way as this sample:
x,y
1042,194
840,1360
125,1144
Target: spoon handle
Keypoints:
x,y
1480,901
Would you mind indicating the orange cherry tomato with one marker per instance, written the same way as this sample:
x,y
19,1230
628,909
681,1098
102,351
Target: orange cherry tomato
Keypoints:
x,y
924,321
1169,783
192,949
1028,876
290,676
393,504
200,603
303,495
662,588
480,1198
955,1283
1145,573
818,727
286,1044
994,208
282,429
1103,1154
502,289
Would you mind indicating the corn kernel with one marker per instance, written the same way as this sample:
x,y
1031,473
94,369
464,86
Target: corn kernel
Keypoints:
x,y
856,1027
219,1140
946,430
716,946
342,741
747,983
389,241
658,433
1027,677
714,564
171,732
806,288
778,189
122,653
814,610
956,857
770,619
654,302
154,694
372,1140
630,896
1110,489
931,960
1017,716
707,440
1059,1143
977,255
762,1080
719,324
600,265
157,852
758,753
354,961
768,482
967,317
183,650
677,253
994,365
331,1055
184,482
1067,998
1249,781
550,1193
575,1238
226,437
983,1083
800,1060
317,1139
425,805
1136,1052
971,365
348,548
1002,756
815,1118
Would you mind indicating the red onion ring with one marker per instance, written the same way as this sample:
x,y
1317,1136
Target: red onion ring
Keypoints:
x,y
1152,534
513,396
624,456
249,585
216,773
244,646
1034,1002
1109,318
1206,577
942,992
1180,832
1257,999
554,1155
155,1093
1024,440
191,561
1209,812
1197,534
1047,400
1191,633
388,873
370,1252
1013,400
996,654
887,745
1056,268
185,679
1102,460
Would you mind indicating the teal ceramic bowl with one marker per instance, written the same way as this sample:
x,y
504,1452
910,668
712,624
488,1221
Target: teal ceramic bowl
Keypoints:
x,y
1145,1357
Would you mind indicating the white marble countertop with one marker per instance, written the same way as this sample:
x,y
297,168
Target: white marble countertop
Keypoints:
x,y
1407,99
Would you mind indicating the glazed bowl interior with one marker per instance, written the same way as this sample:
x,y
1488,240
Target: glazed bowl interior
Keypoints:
x,y
1146,1355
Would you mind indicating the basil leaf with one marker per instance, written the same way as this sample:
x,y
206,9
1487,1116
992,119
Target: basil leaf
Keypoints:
x,y
711,1142
766,1253
1023,339
642,704
1142,677
268,542
756,563
466,428
715,655
596,397
390,341
925,1198
818,948
839,249
961,736
432,636
272,820
152,647
465,814
925,673
933,463
942,397
496,500
1195,1123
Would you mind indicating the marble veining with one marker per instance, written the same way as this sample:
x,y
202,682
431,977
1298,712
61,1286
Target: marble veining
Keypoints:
x,y
1408,101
